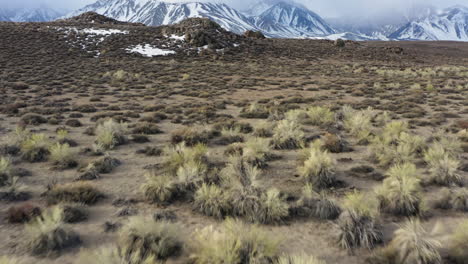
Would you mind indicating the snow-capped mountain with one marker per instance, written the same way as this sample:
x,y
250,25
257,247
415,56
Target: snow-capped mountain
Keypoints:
x,y
40,14
291,20
280,20
450,24
155,13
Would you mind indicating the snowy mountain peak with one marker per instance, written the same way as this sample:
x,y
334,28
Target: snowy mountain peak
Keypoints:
x,y
450,24
39,14
290,18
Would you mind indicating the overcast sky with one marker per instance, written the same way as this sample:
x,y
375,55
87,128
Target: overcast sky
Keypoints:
x,y
326,8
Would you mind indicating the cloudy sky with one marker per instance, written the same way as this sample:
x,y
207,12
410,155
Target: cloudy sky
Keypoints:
x,y
326,8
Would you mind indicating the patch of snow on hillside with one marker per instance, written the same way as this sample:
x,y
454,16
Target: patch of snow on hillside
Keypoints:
x,y
149,51
179,38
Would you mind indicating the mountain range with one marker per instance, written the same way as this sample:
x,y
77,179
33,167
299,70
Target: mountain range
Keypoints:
x,y
275,18
39,14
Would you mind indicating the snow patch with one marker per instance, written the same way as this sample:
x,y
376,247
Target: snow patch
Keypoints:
x,y
149,51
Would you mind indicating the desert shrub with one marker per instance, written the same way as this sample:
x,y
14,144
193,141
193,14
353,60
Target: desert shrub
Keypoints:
x,y
459,199
75,192
74,213
319,168
191,174
443,165
110,134
313,204
400,192
178,155
358,226
257,151
229,136
114,255
297,115
35,148
263,129
190,136
299,259
254,110
33,119
246,198
23,213
358,124
14,191
287,134
62,156
273,207
105,164
159,188
235,243
5,170
394,146
211,200
146,237
458,246
146,129
48,234
320,116
334,143
414,244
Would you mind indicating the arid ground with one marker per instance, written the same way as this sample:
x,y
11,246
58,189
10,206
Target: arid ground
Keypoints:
x,y
341,152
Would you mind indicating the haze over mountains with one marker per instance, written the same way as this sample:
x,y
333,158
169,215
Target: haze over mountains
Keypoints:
x,y
280,19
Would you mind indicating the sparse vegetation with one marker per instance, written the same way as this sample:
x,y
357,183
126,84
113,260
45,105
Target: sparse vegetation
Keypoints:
x,y
319,168
358,226
287,134
143,238
48,234
400,192
235,242
110,134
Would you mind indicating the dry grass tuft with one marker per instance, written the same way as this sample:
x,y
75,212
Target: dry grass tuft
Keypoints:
x,y
236,242
143,238
75,192
48,234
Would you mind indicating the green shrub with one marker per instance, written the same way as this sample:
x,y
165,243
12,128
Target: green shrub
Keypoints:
x,y
358,124
159,188
320,116
273,207
257,151
235,243
211,200
443,168
179,155
287,135
400,192
110,134
358,226
62,156
319,168
48,234
313,204
144,238
414,244
35,148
